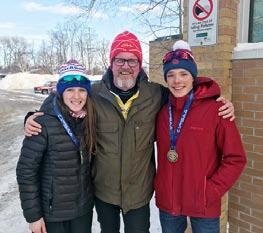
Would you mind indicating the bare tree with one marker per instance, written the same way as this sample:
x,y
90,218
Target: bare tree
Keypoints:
x,y
16,53
103,54
45,57
161,17
61,42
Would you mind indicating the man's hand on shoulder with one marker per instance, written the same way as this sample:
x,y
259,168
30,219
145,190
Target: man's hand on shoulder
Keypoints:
x,y
31,126
227,110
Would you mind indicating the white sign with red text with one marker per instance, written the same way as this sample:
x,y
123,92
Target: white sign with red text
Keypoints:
x,y
202,26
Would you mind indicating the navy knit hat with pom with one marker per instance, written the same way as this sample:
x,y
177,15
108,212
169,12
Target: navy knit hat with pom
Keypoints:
x,y
180,57
72,67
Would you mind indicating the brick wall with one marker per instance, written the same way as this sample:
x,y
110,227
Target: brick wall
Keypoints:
x,y
246,197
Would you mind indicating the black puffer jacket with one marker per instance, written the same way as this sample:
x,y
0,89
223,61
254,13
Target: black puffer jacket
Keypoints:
x,y
52,181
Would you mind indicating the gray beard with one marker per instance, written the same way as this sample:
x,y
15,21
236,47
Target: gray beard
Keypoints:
x,y
125,84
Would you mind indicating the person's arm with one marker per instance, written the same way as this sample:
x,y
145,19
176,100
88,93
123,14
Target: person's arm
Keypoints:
x,y
27,172
233,160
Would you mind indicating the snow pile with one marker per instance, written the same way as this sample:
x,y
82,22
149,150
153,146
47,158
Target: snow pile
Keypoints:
x,y
29,81
25,80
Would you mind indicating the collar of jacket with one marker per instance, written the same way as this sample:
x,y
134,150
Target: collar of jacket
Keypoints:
x,y
144,98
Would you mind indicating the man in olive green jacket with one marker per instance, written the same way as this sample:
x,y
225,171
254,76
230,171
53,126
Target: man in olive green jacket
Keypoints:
x,y
123,167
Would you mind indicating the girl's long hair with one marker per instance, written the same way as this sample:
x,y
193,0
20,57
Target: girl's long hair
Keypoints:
x,y
89,123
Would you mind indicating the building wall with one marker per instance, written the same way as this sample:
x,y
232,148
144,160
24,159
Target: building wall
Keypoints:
x,y
246,197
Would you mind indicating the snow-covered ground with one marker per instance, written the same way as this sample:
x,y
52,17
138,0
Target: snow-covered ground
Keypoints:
x,y
16,98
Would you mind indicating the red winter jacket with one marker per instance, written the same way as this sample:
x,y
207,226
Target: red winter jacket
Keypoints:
x,y
211,156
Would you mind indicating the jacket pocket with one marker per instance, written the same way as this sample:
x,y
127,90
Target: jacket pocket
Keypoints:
x,y
212,195
199,191
107,137
144,134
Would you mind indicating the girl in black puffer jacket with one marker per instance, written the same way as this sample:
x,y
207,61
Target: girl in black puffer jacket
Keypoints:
x,y
53,171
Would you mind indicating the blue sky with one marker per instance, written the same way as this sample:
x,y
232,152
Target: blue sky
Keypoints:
x,y
34,19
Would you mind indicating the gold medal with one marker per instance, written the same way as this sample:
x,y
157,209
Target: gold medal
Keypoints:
x,y
172,156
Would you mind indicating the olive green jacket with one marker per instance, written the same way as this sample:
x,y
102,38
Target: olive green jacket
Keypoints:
x,y
123,167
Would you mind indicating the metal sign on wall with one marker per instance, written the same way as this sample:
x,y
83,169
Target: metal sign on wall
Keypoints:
x,y
202,27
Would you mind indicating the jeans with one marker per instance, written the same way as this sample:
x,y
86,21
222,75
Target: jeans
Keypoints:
x,y
135,221
178,224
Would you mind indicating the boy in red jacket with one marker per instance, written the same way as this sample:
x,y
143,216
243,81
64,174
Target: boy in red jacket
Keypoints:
x,y
200,155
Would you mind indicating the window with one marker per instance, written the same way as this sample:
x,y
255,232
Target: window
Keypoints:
x,y
256,21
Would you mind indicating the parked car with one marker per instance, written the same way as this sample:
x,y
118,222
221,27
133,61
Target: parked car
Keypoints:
x,y
48,87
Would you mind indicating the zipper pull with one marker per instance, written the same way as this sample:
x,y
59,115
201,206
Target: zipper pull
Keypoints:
x,y
81,157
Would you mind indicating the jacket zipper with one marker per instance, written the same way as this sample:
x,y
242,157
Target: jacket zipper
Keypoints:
x,y
205,192
51,196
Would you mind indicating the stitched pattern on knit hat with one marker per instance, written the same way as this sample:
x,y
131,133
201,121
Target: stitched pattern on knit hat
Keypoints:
x,y
180,57
71,68
126,42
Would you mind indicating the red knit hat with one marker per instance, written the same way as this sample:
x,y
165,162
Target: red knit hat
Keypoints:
x,y
126,42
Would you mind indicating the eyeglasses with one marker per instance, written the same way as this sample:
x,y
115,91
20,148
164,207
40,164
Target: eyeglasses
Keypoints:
x,y
71,78
121,62
178,54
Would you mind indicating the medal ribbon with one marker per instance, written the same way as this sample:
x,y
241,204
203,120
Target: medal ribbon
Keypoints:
x,y
175,133
65,124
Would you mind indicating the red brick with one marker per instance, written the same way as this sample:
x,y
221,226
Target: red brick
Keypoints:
x,y
258,197
233,198
237,89
253,140
259,116
248,147
252,63
257,181
252,123
258,165
241,193
259,81
258,214
239,222
257,229
245,114
259,98
249,163
237,73
253,172
241,97
233,228
244,81
251,203
254,156
258,149
250,219
259,132
245,178
241,230
233,211
254,73
251,188
239,207
252,89
252,106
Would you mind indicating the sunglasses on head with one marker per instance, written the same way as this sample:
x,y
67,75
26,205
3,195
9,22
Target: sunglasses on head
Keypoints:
x,y
74,77
178,54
